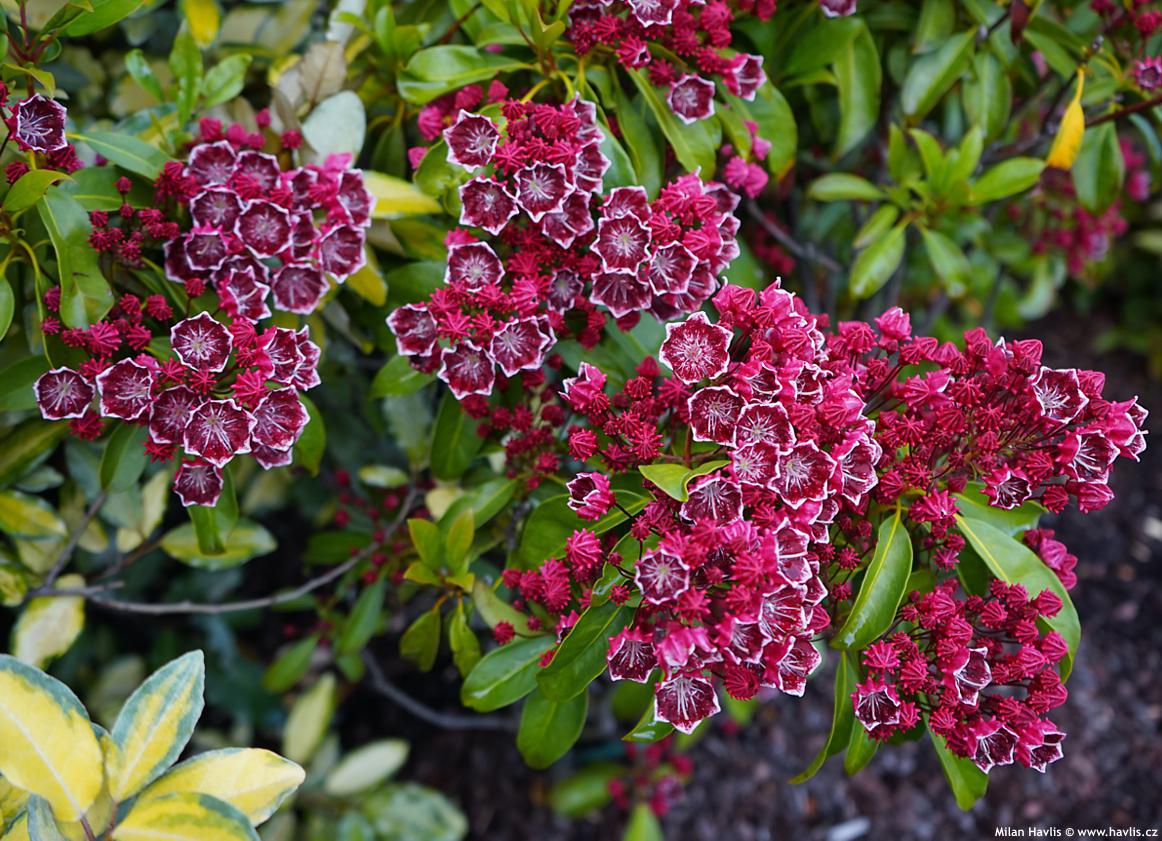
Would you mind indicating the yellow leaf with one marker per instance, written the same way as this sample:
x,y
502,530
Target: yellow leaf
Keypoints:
x,y
368,282
1067,143
184,817
49,626
47,744
18,831
255,782
155,724
396,197
204,18
309,719
12,800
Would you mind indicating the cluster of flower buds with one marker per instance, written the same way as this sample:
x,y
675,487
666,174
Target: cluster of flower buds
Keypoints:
x,y
259,230
554,245
657,777
225,391
37,124
956,651
696,34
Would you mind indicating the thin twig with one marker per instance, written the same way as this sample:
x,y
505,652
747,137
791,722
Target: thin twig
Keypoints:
x,y
74,538
445,721
806,252
204,608
1122,112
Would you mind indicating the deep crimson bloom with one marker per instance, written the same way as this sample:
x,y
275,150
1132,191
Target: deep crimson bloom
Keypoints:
x,y
713,498
218,430
876,705
467,369
38,124
623,243
473,265
696,349
691,98
279,419
340,251
661,577
838,8
170,413
216,208
685,701
714,414
126,389
631,656
414,329
212,163
590,495
201,342
471,140
243,295
1059,394
486,203
198,483
298,288
265,228
519,345
62,393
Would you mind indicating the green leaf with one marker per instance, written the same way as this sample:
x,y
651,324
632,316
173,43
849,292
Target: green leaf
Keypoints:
x,y
552,522
428,541
860,749
1100,169
26,444
24,516
987,95
696,145
225,79
642,144
290,666
548,728
643,825
581,657
968,782
649,728
125,458
128,152
1014,563
309,719
398,378
932,74
137,65
420,643
842,719
454,440
772,114
504,675
876,226
876,263
7,308
1012,521
103,14
947,260
1007,178
156,723
844,186
885,582
463,641
584,792
364,619
458,541
312,443
29,188
822,44
245,541
858,76
435,71
935,25
85,295
674,479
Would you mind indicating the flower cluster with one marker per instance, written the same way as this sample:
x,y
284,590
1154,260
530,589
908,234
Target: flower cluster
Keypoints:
x,y
258,229
955,651
37,124
224,391
697,34
555,249
657,777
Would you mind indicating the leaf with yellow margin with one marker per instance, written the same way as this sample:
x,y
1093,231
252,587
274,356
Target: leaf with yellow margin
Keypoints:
x,y
253,781
155,724
49,626
184,817
204,19
47,744
396,197
1067,143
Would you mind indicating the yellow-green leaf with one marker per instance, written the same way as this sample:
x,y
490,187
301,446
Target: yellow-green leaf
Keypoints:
x,y
184,817
49,626
204,19
397,197
1070,133
309,719
18,831
255,782
367,767
47,744
12,800
156,723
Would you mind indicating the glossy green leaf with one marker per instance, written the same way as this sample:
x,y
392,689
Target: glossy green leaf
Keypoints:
x,y
245,541
25,445
581,657
504,675
821,44
1012,521
548,727
291,666
552,522
674,479
312,443
1007,178
884,584
1100,169
643,825
987,95
695,145
127,152
398,378
435,71
876,225
844,186
7,307
364,620
225,79
454,440
29,189
842,719
858,76
932,74
649,729
420,643
585,791
1014,563
101,15
968,783
463,641
860,749
85,294
948,261
876,263
934,26
125,458
428,541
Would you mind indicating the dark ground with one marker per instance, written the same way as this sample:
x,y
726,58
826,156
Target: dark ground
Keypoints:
x,y
1111,774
